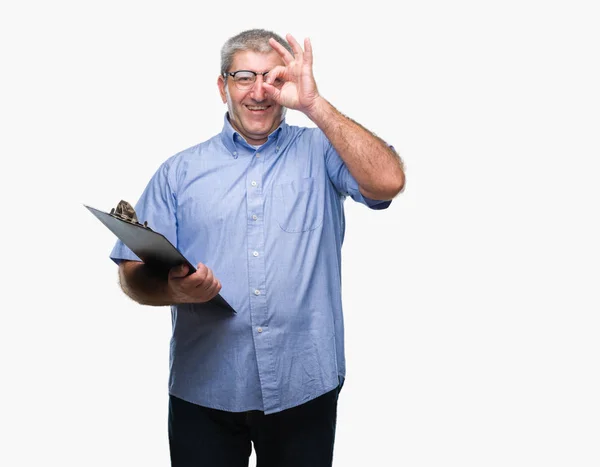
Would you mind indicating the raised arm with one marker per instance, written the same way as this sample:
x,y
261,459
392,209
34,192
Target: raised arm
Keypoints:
x,y
376,167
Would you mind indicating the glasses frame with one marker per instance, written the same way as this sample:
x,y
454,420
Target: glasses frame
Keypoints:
x,y
233,73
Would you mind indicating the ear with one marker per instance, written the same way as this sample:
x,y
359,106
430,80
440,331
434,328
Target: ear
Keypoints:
x,y
221,83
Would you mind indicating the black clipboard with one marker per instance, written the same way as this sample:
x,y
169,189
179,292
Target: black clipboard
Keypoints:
x,y
153,248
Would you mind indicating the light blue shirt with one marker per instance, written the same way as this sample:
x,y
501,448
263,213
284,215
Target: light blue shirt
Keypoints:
x,y
269,222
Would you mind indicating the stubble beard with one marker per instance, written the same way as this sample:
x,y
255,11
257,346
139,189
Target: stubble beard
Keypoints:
x,y
230,106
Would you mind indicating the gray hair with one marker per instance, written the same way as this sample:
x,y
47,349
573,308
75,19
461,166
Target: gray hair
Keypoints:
x,y
256,40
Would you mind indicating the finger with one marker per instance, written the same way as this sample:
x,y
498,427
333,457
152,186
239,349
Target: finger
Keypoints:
x,y
178,282
274,81
207,282
201,272
282,51
308,53
214,290
277,73
178,271
272,91
295,46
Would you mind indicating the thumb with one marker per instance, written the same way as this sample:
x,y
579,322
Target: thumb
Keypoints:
x,y
272,91
178,271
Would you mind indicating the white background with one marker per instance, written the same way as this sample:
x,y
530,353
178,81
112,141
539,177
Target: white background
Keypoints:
x,y
471,304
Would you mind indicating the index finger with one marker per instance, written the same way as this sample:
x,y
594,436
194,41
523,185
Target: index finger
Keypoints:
x,y
201,271
281,50
295,45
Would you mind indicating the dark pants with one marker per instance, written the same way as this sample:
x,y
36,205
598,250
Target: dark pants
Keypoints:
x,y
302,436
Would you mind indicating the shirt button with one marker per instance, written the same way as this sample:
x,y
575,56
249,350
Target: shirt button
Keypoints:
x,y
255,253
235,153
254,183
257,292
258,154
254,217
259,329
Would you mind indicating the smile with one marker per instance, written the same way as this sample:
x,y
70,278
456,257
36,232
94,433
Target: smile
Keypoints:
x,y
257,107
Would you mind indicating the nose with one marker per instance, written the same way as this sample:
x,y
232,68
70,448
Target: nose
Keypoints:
x,y
257,92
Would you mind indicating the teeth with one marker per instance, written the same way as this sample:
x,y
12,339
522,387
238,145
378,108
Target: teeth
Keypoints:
x,y
256,107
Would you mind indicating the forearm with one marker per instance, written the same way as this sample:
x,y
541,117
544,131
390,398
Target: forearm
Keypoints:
x,y
142,285
376,167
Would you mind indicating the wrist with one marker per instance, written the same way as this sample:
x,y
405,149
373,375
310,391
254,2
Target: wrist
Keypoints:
x,y
319,110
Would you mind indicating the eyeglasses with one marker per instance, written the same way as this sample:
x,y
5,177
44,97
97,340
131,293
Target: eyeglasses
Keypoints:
x,y
245,79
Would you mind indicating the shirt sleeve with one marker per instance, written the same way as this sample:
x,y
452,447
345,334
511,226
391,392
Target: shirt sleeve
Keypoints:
x,y
343,180
157,206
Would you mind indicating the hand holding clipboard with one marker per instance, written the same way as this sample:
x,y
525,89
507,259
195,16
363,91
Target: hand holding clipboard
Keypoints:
x,y
153,248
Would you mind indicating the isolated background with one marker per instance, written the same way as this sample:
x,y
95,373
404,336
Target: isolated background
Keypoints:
x,y
471,304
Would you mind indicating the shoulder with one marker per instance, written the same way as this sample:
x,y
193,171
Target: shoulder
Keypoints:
x,y
175,168
193,152
307,137
294,131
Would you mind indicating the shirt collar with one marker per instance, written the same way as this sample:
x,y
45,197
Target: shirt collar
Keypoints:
x,y
232,140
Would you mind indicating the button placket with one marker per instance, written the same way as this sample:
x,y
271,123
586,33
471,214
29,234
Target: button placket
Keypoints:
x,y
257,286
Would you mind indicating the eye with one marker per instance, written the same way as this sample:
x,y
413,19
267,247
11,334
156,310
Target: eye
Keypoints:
x,y
244,77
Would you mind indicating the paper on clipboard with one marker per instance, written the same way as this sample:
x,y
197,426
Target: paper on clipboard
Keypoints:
x,y
153,248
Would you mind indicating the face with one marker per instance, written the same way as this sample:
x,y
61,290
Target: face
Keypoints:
x,y
252,112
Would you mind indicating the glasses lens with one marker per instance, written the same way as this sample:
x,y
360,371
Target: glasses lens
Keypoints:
x,y
244,79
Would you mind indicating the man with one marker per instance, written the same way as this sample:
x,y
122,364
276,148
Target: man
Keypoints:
x,y
260,207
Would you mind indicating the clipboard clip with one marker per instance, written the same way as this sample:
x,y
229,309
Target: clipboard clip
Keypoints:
x,y
125,212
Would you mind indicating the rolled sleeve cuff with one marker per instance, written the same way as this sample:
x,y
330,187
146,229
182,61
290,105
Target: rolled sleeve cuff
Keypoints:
x,y
122,253
376,204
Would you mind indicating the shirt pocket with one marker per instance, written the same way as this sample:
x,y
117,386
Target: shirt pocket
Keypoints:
x,y
298,205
